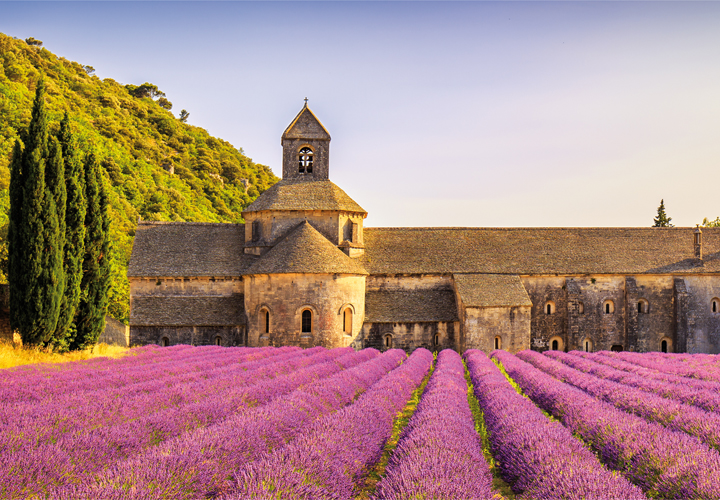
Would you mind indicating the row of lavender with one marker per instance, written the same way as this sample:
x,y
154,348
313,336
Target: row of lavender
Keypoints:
x,y
290,423
54,446
662,446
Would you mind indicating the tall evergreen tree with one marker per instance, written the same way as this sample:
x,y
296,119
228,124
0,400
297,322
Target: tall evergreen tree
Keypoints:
x,y
16,270
74,220
662,220
90,318
34,255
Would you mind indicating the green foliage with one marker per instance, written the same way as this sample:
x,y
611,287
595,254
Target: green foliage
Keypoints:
x,y
33,41
662,220
95,284
134,137
36,274
711,223
74,250
184,115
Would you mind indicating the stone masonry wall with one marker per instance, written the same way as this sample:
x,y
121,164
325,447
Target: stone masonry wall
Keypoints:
x,y
275,225
191,335
410,336
703,325
285,296
482,324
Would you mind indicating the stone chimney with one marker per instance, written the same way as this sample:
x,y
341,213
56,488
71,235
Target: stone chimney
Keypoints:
x,y
697,241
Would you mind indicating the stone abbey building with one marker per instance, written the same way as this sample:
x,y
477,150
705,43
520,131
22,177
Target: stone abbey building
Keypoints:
x,y
304,271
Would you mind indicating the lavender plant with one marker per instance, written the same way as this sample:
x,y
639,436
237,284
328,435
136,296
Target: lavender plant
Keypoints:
x,y
664,463
439,454
539,457
672,414
331,459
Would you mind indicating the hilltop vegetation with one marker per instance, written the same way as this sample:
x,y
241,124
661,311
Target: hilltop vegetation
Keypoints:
x,y
155,166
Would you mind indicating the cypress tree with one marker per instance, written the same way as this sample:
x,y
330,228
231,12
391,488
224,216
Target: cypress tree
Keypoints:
x,y
74,221
35,264
90,318
662,220
16,270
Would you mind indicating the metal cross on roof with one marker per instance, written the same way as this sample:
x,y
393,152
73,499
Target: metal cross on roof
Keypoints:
x,y
306,99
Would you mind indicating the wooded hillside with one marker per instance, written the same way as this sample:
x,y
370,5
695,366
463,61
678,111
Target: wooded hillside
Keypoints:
x,y
156,167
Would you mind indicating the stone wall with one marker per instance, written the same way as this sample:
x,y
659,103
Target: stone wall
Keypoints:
x,y
190,335
701,323
115,333
285,296
482,324
275,225
410,336
648,325
186,286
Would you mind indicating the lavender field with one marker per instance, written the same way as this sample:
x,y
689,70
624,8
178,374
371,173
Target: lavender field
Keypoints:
x,y
234,423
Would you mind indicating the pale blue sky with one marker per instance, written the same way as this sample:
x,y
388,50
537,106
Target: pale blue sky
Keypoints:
x,y
442,113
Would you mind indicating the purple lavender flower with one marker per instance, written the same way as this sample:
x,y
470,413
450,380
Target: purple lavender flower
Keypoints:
x,y
439,454
539,457
664,463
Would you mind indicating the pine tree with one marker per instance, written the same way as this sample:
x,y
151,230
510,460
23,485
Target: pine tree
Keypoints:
x,y
662,220
74,220
90,318
34,257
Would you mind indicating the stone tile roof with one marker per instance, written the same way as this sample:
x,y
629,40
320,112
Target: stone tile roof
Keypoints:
x,y
527,251
301,194
305,250
306,126
188,249
188,311
410,306
491,290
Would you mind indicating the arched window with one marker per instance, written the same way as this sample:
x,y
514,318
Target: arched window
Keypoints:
x,y
549,307
581,308
556,343
388,341
587,345
715,305
663,346
267,321
498,343
437,340
643,306
218,340
305,160
307,321
165,342
608,307
347,321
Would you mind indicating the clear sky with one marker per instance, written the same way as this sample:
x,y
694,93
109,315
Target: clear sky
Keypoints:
x,y
441,113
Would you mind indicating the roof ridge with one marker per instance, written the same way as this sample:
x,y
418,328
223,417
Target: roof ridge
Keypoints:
x,y
180,223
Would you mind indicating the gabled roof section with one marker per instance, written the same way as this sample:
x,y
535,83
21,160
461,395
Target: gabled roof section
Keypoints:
x,y
188,249
297,194
305,251
410,306
532,251
306,126
491,290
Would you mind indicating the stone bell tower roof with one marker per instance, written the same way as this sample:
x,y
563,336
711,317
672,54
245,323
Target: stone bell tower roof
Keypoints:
x,y
306,126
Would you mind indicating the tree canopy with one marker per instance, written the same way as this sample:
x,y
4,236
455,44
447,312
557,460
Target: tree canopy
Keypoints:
x,y
662,220
133,136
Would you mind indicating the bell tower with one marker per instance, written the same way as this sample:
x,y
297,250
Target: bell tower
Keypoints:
x,y
306,148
